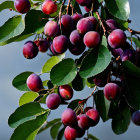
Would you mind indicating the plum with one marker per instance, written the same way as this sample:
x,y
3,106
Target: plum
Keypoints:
x,y
53,101
75,37
60,44
136,117
69,117
22,6
84,25
112,91
49,7
112,24
51,28
93,20
117,52
66,92
92,39
83,2
94,116
117,39
52,49
30,50
34,82
76,17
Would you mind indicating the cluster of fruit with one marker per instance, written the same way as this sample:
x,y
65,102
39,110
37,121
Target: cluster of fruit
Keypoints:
x,y
76,33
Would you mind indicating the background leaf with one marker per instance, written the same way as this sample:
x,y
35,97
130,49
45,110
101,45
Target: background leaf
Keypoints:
x,y
7,5
92,137
73,104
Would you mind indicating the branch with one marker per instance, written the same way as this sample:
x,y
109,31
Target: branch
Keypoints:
x,y
68,6
133,31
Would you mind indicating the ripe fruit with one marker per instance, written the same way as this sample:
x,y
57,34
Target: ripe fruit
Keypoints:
x,y
100,81
77,49
87,9
51,28
60,44
136,117
117,52
76,17
69,117
42,44
111,91
66,92
80,132
94,116
83,2
117,39
84,25
52,49
49,7
53,101
34,82
92,39
22,6
75,37
70,133
112,24
30,50
93,20
83,121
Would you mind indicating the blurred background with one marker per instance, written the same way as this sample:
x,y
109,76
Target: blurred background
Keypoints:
x,y
12,63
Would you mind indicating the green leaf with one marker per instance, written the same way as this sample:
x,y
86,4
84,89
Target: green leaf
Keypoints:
x,y
7,5
54,130
45,83
49,124
73,104
11,28
120,10
43,99
78,83
100,1
135,40
92,137
25,113
90,83
27,97
102,105
28,130
122,24
52,62
19,81
76,6
96,61
63,72
61,134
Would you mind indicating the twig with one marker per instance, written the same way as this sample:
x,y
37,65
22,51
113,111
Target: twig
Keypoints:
x,y
133,31
99,18
60,13
68,6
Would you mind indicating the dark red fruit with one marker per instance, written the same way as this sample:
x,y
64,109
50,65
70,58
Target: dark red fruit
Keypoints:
x,y
60,44
84,25
75,37
53,101
22,6
51,28
87,9
42,44
117,39
94,116
117,52
66,92
136,118
69,117
30,50
87,108
111,91
112,24
80,132
34,82
83,121
83,2
92,39
93,20
49,7
52,49
76,17
70,133
100,81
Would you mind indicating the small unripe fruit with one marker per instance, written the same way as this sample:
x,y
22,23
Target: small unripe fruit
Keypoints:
x,y
84,25
94,116
92,39
53,101
70,133
34,82
60,44
30,50
22,6
42,44
136,118
83,121
66,92
51,28
83,2
111,91
112,24
49,7
69,117
117,39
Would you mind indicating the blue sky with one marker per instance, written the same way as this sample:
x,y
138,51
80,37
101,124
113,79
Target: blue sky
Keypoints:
x,y
12,63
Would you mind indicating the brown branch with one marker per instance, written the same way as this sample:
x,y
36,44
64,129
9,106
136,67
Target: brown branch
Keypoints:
x,y
60,13
133,31
68,6
99,18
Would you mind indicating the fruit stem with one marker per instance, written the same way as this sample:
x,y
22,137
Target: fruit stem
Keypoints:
x,y
133,31
60,13
68,6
